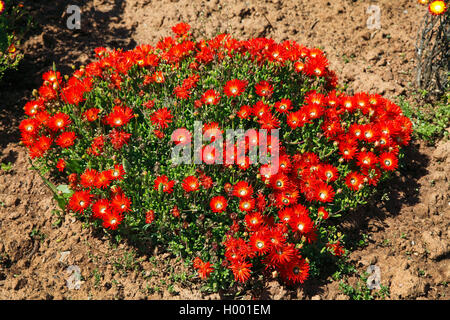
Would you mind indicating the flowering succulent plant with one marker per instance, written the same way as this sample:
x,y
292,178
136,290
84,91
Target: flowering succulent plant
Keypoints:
x,y
113,130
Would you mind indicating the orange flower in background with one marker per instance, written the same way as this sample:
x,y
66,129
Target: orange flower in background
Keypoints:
x,y
437,8
2,6
423,2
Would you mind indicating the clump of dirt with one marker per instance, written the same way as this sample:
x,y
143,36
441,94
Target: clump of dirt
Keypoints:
x,y
405,232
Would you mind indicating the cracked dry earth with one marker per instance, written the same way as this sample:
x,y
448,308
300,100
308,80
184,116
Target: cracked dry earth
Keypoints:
x,y
406,232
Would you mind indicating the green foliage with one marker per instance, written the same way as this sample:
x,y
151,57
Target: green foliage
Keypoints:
x,y
430,122
14,24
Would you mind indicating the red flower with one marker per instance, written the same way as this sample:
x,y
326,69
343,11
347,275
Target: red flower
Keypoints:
x,y
120,203
328,173
117,172
295,271
242,189
283,106
162,183
354,181
181,29
181,136
59,121
366,159
259,243
66,139
112,220
247,204
29,126
204,270
253,221
61,165
88,178
103,179
323,192
80,201
264,89
218,204
211,97
241,270
234,88
161,118
190,184
244,112
119,138
149,216
120,116
282,255
101,208
388,161
91,114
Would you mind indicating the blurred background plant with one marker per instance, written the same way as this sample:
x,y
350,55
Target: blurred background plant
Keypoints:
x,y
432,48
15,22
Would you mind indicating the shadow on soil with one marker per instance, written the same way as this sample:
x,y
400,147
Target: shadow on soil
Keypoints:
x,y
50,41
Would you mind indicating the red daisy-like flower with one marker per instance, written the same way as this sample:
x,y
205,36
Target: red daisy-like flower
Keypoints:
x,y
388,161
164,184
32,107
264,89
119,138
241,270
66,139
149,216
366,159
91,114
328,173
245,111
61,165
247,204
348,149
286,214
211,131
119,116
181,136
117,173
234,88
242,189
101,208
354,181
80,201
301,223
120,203
181,29
112,220
205,269
161,118
268,121
296,270
281,255
294,120
218,204
253,221
280,182
259,243
29,126
210,97
190,184
323,192
88,178
59,121
103,179
283,106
